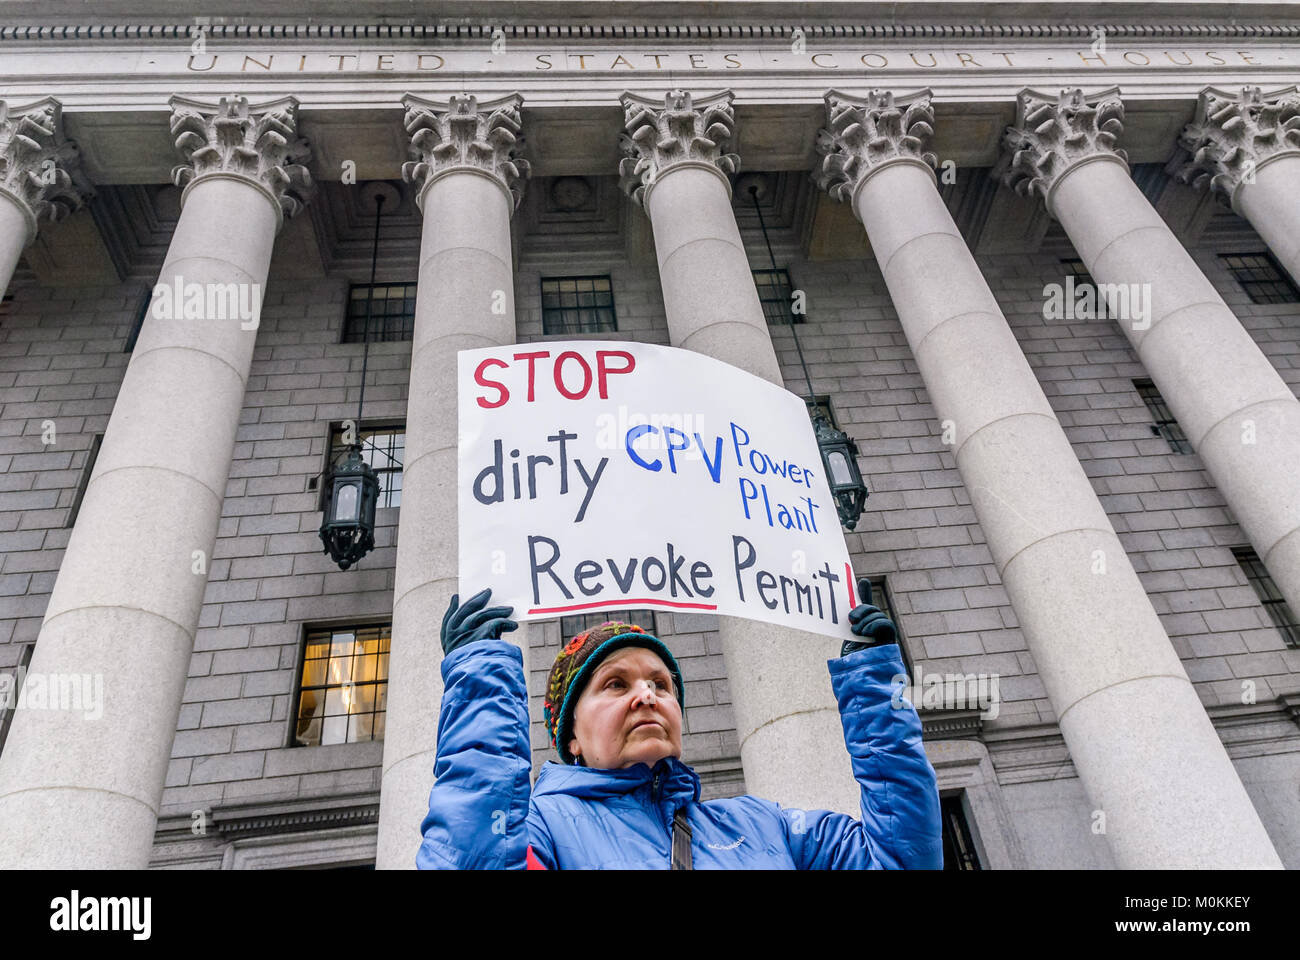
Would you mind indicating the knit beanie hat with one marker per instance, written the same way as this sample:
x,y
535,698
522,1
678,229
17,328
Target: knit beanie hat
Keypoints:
x,y
574,666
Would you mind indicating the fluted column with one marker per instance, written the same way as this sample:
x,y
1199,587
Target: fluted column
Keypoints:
x,y
40,177
470,181
787,720
1139,738
1237,411
80,790
1246,149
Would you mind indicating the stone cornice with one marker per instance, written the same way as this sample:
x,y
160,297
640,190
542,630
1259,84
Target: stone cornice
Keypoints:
x,y
256,143
651,30
1052,135
232,821
39,168
1234,132
462,133
231,826
1024,752
862,134
1291,704
949,724
680,132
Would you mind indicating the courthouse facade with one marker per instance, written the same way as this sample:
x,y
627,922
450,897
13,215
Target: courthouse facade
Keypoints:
x,y
1042,265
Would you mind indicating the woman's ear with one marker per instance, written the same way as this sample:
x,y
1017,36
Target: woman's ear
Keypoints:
x,y
575,747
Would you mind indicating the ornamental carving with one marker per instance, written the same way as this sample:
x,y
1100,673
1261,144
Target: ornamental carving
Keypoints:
x,y
657,137
38,165
1233,133
862,133
259,142
1052,134
463,132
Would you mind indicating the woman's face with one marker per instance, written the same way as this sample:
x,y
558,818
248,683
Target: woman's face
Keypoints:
x,y
628,713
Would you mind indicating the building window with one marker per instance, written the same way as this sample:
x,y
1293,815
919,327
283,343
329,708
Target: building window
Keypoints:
x,y
7,714
384,448
343,686
1074,267
570,627
1165,425
1261,277
882,598
392,312
140,314
1269,596
578,305
958,844
776,294
86,469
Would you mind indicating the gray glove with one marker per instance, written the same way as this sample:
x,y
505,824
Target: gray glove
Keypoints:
x,y
868,622
462,625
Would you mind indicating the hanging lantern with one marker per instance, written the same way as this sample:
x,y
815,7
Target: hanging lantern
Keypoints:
x,y
352,489
840,459
351,492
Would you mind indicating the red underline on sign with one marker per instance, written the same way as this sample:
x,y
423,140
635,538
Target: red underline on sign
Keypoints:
x,y
623,602
848,583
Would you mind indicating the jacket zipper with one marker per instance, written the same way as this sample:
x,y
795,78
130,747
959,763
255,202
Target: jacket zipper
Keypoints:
x,y
654,795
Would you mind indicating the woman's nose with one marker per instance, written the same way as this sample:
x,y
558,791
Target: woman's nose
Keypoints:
x,y
645,693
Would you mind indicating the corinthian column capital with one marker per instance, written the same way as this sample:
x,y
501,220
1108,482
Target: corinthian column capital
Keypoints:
x,y
679,131
464,134
1053,135
235,139
40,169
863,134
1234,134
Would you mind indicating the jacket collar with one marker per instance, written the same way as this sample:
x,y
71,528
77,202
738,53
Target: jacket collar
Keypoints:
x,y
679,780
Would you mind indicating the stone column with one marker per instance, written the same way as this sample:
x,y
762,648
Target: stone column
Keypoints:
x,y
1246,148
81,787
470,181
1137,733
40,177
791,737
1238,413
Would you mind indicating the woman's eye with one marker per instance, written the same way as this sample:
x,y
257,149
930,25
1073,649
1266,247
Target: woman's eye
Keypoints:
x,y
613,682
662,685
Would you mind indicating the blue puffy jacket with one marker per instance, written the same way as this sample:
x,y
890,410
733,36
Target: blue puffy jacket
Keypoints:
x,y
482,813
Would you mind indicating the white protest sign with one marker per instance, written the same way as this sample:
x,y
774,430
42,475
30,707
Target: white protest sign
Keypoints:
x,y
604,475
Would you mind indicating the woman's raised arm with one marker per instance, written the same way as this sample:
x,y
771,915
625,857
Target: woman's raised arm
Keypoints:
x,y
479,802
900,826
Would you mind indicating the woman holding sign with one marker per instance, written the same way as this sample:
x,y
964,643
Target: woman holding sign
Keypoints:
x,y
622,798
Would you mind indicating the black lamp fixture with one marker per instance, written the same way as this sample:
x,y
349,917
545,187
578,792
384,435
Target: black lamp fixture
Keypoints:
x,y
839,452
352,487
